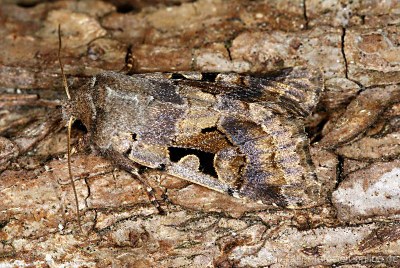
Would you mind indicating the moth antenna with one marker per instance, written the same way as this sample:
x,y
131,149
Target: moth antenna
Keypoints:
x,y
61,66
71,120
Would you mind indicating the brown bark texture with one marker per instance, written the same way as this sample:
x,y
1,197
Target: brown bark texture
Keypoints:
x,y
354,135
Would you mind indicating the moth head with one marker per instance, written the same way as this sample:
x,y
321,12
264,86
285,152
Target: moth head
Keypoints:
x,y
80,106
77,106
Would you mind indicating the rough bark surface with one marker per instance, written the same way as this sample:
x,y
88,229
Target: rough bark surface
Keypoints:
x,y
354,135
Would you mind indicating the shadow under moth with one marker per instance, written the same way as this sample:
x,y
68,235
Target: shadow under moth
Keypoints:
x,y
236,134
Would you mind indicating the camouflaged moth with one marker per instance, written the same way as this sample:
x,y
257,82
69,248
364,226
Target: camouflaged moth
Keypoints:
x,y
237,134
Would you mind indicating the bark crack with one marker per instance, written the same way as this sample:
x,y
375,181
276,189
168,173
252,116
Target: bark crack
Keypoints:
x,y
346,65
343,52
305,15
339,172
228,45
88,191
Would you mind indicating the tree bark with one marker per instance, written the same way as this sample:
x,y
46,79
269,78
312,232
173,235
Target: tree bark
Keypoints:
x,y
354,134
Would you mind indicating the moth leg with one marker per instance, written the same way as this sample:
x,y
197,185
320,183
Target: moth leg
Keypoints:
x,y
130,62
151,193
132,167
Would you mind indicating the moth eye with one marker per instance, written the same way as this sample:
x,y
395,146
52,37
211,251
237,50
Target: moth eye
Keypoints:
x,y
78,124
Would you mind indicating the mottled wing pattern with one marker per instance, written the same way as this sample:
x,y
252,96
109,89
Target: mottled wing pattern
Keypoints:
x,y
237,134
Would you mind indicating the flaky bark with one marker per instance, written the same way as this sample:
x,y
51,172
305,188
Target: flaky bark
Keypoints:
x,y
354,135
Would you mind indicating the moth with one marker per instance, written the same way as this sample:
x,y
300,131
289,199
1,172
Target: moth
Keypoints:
x,y
236,134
